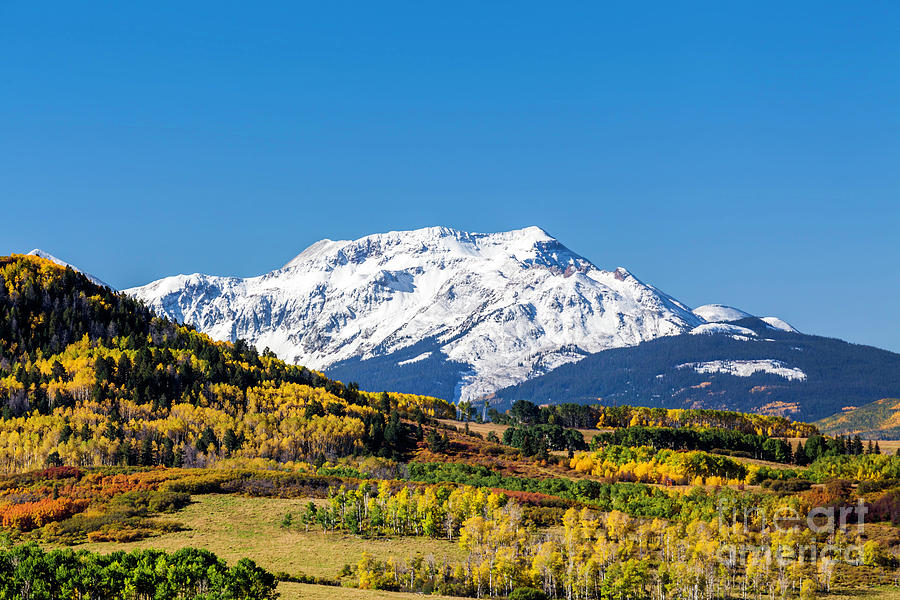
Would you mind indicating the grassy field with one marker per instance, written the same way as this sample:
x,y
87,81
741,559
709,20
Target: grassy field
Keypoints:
x,y
887,446
878,593
479,428
235,526
298,591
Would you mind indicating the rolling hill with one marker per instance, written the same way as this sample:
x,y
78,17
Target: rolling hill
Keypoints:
x,y
879,420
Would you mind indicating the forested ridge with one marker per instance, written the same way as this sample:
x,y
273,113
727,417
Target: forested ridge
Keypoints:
x,y
604,416
90,377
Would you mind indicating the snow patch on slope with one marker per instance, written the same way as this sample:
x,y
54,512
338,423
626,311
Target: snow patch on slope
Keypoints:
x,y
746,368
723,329
415,359
776,323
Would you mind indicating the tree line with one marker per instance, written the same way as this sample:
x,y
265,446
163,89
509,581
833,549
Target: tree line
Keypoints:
x,y
538,440
29,573
590,416
707,439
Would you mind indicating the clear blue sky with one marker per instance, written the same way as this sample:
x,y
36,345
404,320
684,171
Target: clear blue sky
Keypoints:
x,y
742,153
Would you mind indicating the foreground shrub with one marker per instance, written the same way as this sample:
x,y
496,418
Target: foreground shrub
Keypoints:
x,y
788,486
30,515
526,593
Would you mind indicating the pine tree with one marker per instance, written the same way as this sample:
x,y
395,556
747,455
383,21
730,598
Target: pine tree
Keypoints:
x,y
840,444
815,448
65,433
58,372
168,455
800,454
146,457
53,459
230,440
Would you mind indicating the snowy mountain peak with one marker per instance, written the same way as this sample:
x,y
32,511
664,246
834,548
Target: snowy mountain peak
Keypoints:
x,y
47,256
496,308
531,244
720,313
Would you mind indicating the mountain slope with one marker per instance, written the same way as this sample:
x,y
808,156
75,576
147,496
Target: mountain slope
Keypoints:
x,y
473,312
91,377
746,365
876,420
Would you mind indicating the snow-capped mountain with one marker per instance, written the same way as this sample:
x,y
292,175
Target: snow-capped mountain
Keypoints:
x,y
478,311
46,255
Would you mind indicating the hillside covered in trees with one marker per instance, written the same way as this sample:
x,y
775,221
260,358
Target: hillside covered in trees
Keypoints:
x,y
90,377
876,420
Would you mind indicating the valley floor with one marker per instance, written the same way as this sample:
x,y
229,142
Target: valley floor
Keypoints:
x,y
234,527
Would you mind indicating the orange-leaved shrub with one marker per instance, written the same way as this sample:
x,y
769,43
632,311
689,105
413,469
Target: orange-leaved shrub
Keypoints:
x,y
31,515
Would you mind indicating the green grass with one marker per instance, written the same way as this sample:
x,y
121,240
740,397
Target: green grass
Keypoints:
x,y
296,591
876,593
235,527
